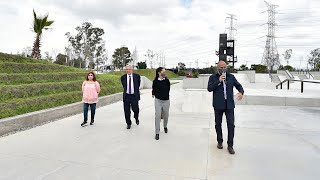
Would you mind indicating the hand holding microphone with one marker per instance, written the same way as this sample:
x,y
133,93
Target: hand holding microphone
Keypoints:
x,y
223,76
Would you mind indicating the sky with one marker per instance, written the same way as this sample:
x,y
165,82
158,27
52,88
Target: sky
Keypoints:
x,y
183,30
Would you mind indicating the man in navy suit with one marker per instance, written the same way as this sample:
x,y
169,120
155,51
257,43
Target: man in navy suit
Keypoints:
x,y
221,84
131,95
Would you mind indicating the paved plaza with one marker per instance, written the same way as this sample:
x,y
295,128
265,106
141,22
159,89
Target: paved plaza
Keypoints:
x,y
271,142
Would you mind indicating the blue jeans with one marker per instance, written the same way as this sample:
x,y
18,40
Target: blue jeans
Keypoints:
x,y
85,111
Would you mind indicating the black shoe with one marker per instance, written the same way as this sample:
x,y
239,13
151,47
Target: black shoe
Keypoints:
x,y
91,123
137,121
220,146
157,137
230,149
166,130
128,126
83,124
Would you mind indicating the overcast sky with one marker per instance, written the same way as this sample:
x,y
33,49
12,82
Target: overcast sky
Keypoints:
x,y
185,30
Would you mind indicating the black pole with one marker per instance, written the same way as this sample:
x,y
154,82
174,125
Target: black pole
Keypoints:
x,y
233,61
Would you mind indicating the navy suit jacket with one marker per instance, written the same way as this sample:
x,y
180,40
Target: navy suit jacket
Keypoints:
x,y
216,87
136,84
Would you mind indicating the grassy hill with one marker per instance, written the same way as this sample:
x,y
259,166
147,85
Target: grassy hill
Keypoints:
x,y
28,85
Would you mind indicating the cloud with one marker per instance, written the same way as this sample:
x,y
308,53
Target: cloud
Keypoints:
x,y
183,29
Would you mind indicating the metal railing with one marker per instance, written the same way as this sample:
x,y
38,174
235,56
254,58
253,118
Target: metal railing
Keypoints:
x,y
271,77
288,83
307,73
310,75
289,74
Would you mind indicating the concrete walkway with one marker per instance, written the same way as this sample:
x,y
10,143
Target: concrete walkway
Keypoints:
x,y
270,143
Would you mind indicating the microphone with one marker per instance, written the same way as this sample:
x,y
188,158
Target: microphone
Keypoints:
x,y
224,73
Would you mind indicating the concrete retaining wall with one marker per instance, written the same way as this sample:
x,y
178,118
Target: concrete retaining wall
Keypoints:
x,y
16,123
145,83
196,83
202,81
279,101
251,75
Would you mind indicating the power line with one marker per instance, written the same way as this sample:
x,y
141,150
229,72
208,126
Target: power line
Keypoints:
x,y
188,44
270,56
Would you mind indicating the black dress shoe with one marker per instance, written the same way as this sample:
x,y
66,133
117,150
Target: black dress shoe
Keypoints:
x,y
157,137
166,130
137,121
128,126
220,146
230,149
83,124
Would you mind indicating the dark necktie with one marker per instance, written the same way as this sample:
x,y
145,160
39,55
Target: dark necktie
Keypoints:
x,y
129,84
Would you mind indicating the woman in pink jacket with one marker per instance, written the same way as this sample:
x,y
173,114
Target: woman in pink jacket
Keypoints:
x,y
90,90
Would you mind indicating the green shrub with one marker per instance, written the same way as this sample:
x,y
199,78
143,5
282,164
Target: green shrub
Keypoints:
x,y
181,73
195,75
259,68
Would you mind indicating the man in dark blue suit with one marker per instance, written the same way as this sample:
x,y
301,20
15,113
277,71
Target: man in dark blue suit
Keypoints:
x,y
221,84
131,95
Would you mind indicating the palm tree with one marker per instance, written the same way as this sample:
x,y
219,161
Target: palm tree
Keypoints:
x,y
39,23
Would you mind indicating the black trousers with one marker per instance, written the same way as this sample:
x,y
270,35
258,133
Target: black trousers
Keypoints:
x,y
230,124
130,102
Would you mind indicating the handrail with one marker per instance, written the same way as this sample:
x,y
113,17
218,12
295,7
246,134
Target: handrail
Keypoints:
x,y
270,77
310,75
288,85
289,74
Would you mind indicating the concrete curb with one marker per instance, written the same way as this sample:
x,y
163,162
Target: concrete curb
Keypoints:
x,y
29,120
279,101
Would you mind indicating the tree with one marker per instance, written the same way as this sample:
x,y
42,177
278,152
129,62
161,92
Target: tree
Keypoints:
x,y
39,24
61,59
26,52
287,67
243,67
181,66
314,60
135,57
259,68
48,57
88,44
287,55
150,55
78,62
142,65
100,55
121,57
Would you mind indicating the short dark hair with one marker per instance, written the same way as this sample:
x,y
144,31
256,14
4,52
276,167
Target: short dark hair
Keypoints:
x,y
94,76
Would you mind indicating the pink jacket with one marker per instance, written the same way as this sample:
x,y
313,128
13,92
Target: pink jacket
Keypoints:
x,y
90,90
